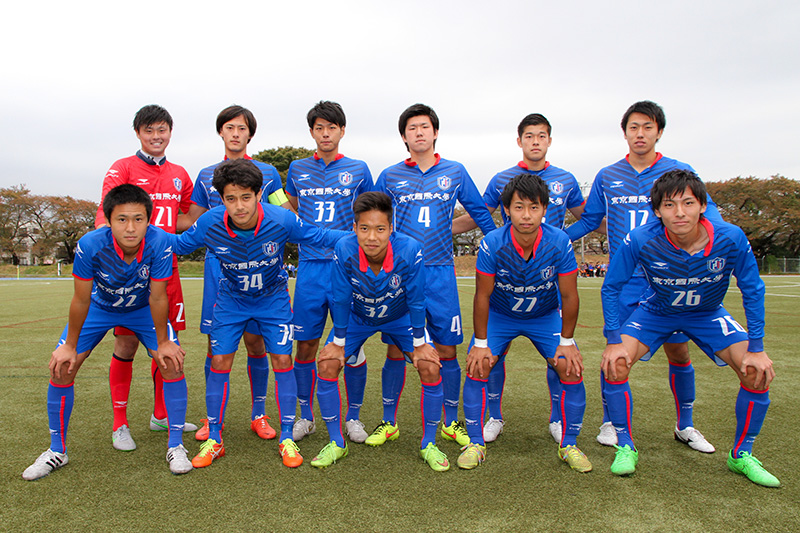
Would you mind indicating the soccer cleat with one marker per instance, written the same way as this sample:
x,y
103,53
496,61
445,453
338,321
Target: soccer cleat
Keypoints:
x,y
262,428
290,453
555,431
160,424
202,433
492,429
575,458
694,439
329,455
383,432
471,456
747,465
456,431
301,428
210,450
624,461
607,435
435,458
178,459
44,464
355,431
121,439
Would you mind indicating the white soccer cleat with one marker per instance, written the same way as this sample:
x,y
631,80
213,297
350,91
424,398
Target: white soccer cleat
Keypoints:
x,y
178,459
44,464
555,431
160,424
121,439
694,439
607,435
302,427
355,431
492,429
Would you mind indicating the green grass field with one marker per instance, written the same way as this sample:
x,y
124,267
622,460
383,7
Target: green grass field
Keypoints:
x,y
521,487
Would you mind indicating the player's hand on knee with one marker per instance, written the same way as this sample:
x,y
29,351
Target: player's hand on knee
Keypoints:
x,y
480,362
761,365
611,357
425,352
573,358
169,355
331,352
63,361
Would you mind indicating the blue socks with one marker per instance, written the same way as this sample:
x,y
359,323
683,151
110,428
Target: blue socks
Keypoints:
x,y
305,373
330,407
474,408
217,391
620,408
572,407
432,398
175,403
681,381
355,381
258,372
554,386
494,389
451,384
393,378
751,408
286,399
60,399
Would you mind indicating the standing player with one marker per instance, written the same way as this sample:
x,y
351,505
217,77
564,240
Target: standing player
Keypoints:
x,y
121,274
565,194
248,237
522,270
688,261
424,190
236,126
322,189
170,189
620,193
378,284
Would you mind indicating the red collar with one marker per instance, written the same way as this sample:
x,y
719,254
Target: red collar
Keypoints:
x,y
388,261
245,157
659,155
338,157
517,246
231,234
709,228
121,254
523,164
411,163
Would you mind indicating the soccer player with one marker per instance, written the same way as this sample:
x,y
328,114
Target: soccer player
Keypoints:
x,y
620,193
322,189
522,270
534,137
248,237
378,284
121,273
687,260
170,189
236,126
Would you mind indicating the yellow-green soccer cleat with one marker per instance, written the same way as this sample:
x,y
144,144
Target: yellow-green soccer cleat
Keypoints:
x,y
749,466
329,455
625,461
456,431
435,458
471,456
575,458
385,431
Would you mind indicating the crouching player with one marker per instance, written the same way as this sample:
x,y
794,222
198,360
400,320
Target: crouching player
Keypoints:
x,y
248,238
688,261
378,285
121,272
521,270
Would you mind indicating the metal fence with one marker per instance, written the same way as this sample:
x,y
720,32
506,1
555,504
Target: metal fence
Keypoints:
x,y
778,265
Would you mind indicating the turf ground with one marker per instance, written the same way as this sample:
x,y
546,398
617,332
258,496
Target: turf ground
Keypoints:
x,y
521,487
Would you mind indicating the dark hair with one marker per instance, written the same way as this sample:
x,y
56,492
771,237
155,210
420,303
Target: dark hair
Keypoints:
x,y
534,119
231,112
372,201
330,111
126,194
149,115
528,187
241,172
674,182
645,107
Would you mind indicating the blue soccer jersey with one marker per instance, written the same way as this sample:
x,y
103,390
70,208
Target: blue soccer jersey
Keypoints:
x,y
424,203
252,261
525,289
325,195
683,284
118,286
378,299
622,195
206,196
564,191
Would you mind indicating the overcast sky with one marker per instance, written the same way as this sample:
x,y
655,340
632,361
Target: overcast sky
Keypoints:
x,y
75,73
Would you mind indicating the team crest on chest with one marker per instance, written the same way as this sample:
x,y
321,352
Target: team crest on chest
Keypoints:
x,y
444,182
144,272
270,248
716,265
548,272
345,178
556,187
178,184
394,282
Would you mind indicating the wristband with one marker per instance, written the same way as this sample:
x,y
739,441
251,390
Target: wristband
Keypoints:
x,y
338,341
481,343
419,341
563,341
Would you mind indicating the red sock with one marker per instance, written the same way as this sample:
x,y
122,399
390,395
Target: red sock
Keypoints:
x,y
119,380
159,409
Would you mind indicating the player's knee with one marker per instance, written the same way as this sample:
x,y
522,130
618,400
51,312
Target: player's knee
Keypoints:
x,y
621,366
329,369
281,361
222,363
748,380
428,372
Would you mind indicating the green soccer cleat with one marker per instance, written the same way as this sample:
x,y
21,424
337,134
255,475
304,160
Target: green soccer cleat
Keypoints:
x,y
329,455
385,431
575,458
749,466
435,458
624,461
471,456
456,431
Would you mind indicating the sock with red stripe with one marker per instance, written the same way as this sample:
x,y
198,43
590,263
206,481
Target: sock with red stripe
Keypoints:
x,y
554,386
175,402
159,409
120,372
474,407
60,399
681,381
258,372
393,379
355,381
286,399
305,372
620,409
217,392
572,407
494,389
751,409
330,407
431,407
606,416
207,367
451,383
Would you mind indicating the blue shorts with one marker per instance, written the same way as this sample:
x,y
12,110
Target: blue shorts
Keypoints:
x,y
629,299
212,273
712,331
397,332
272,315
312,299
99,321
544,332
